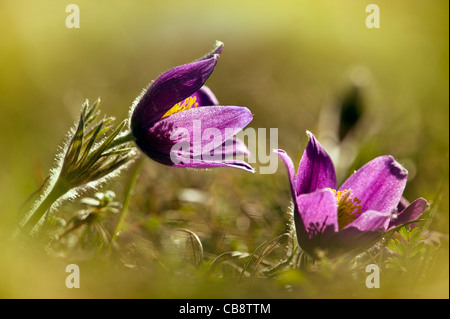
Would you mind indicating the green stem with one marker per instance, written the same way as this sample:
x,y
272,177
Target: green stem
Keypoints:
x,y
126,202
58,190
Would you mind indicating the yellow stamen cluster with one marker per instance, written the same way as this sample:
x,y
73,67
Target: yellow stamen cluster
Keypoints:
x,y
182,106
349,207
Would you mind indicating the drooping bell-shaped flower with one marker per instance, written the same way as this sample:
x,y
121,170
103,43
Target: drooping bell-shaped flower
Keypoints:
x,y
178,121
360,211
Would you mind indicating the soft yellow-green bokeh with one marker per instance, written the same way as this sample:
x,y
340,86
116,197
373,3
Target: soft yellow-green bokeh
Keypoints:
x,y
284,60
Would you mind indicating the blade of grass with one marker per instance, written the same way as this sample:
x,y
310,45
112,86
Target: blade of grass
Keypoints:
x,y
222,258
247,263
268,249
194,235
126,202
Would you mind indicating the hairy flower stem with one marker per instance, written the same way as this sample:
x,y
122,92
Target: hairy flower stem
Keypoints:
x,y
60,188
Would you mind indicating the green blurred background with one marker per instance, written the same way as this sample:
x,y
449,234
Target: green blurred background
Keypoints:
x,y
290,62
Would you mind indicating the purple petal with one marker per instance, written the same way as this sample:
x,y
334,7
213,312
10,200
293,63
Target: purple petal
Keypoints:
x,y
402,204
316,169
205,97
217,50
291,171
232,147
201,164
379,184
154,154
167,90
370,221
183,162
363,231
192,129
225,152
410,213
316,218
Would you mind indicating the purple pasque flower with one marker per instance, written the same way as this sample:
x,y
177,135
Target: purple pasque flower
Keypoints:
x,y
179,122
364,207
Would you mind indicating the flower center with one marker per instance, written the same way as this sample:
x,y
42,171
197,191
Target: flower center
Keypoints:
x,y
349,207
182,106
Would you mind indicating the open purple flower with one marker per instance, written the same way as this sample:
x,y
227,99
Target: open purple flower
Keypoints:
x,y
363,208
178,120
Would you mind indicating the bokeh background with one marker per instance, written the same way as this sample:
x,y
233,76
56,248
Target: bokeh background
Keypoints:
x,y
293,63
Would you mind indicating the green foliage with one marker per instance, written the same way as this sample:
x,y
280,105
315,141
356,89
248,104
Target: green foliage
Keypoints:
x,y
408,249
87,231
95,150
288,63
